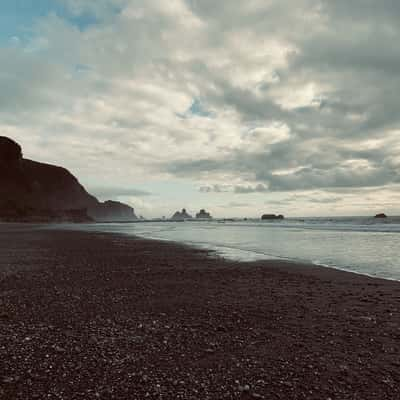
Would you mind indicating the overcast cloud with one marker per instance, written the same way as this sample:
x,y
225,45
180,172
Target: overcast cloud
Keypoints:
x,y
201,104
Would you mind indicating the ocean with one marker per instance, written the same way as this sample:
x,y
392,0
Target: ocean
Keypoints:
x,y
363,245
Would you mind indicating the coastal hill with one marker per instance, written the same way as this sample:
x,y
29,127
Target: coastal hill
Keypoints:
x,y
31,190
112,211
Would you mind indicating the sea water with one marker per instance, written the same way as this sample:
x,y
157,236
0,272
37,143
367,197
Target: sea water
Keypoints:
x,y
363,245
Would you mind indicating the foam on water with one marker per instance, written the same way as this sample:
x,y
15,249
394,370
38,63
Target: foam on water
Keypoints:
x,y
362,245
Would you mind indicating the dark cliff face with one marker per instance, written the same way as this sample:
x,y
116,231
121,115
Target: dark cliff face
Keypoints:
x,y
10,151
29,188
52,187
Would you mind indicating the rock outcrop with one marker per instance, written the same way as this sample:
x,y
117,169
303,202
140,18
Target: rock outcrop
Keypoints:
x,y
31,190
181,216
203,214
10,151
270,217
10,212
382,215
112,211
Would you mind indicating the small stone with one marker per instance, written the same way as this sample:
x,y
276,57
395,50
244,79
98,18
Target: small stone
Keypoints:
x,y
221,328
244,388
210,351
9,379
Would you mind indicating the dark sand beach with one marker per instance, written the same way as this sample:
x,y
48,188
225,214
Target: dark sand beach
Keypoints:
x,y
103,316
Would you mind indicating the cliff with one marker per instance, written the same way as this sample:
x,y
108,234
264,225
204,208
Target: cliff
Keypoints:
x,y
112,211
31,190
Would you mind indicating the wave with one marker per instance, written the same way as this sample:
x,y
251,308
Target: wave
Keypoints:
x,y
355,224
350,244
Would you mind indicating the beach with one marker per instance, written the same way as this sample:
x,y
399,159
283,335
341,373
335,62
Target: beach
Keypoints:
x,y
86,315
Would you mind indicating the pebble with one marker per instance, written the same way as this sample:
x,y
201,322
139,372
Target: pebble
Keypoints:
x,y
59,349
8,379
244,388
210,351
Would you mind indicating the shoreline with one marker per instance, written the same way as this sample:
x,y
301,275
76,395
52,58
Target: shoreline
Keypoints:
x,y
217,249
220,254
100,315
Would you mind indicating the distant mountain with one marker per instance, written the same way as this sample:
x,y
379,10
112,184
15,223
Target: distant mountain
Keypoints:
x,y
31,190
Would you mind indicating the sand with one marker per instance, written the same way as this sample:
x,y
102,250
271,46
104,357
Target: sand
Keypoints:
x,y
105,316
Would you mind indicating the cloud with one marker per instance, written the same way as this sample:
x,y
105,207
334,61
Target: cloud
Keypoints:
x,y
247,98
234,204
250,189
215,188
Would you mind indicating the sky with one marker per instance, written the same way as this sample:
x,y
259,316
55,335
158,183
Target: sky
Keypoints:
x,y
238,107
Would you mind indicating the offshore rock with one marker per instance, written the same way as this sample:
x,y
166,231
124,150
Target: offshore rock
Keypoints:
x,y
181,216
272,217
382,215
203,214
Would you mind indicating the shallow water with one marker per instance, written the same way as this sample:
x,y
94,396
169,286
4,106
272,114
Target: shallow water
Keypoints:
x,y
361,245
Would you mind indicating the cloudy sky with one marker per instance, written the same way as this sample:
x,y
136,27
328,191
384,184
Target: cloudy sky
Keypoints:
x,y
240,107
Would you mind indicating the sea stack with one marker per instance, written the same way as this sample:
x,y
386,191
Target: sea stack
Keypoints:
x,y
181,216
381,215
203,214
269,217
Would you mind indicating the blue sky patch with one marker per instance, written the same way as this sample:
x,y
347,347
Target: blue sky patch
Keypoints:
x,y
198,109
18,16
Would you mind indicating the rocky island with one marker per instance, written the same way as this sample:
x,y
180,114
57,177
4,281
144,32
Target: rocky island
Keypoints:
x,y
203,214
181,215
270,217
380,216
31,191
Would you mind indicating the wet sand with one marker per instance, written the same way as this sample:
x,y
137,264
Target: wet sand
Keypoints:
x,y
105,316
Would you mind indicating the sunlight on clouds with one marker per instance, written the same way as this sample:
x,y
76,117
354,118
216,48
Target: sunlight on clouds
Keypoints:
x,y
252,60
355,164
263,136
301,96
288,98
